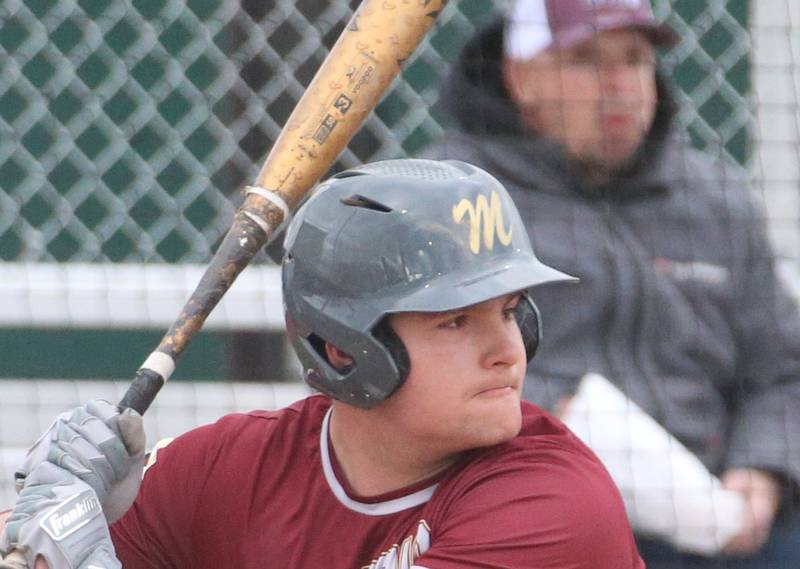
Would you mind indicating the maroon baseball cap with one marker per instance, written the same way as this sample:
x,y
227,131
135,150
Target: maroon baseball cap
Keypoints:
x,y
535,25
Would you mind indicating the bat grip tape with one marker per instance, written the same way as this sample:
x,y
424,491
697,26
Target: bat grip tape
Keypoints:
x,y
149,380
277,201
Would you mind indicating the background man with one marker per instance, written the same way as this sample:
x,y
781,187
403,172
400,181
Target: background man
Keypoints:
x,y
405,284
678,302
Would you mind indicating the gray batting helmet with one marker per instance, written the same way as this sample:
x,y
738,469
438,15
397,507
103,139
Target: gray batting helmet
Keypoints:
x,y
399,236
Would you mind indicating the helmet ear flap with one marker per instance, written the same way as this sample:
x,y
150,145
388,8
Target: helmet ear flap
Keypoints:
x,y
384,334
529,322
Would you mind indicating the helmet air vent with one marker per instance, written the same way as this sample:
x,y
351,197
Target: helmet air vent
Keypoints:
x,y
357,200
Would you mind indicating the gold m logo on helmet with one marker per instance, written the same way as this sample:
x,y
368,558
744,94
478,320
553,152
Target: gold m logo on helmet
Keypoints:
x,y
485,217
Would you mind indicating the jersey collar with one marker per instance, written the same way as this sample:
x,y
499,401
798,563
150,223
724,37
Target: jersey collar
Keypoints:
x,y
371,509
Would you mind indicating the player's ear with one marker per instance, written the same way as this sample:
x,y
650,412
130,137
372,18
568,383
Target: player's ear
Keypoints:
x,y
340,360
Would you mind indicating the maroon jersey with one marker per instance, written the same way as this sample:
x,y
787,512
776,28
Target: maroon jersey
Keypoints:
x,y
263,490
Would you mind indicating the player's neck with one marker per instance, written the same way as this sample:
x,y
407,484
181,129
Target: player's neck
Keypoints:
x,y
377,459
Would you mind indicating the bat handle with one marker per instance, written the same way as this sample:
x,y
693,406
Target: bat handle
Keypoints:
x,y
142,391
249,233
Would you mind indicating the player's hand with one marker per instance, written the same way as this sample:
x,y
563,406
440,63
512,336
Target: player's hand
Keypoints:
x,y
58,518
762,496
17,563
99,445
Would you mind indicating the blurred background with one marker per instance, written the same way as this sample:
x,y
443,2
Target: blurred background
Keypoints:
x,y
127,130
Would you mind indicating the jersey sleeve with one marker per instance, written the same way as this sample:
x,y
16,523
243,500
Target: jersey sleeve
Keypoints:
x,y
156,532
559,511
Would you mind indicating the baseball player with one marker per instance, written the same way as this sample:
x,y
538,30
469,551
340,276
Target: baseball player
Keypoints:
x,y
406,288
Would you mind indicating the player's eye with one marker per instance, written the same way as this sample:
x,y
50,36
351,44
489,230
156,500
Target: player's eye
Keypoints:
x,y
509,312
453,322
510,309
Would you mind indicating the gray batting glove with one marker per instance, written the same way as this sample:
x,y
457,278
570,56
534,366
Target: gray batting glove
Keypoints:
x,y
99,445
59,517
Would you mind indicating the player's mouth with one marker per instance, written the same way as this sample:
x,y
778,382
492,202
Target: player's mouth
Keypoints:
x,y
496,391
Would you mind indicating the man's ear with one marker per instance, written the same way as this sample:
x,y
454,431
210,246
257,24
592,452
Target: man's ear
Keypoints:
x,y
512,77
340,360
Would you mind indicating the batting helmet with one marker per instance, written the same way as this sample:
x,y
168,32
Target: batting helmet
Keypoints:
x,y
399,236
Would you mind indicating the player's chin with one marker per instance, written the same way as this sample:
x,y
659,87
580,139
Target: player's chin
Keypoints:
x,y
500,418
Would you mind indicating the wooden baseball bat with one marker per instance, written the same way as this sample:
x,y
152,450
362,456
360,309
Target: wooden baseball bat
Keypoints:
x,y
368,55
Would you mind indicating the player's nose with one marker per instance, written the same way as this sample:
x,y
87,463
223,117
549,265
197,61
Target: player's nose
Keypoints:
x,y
502,343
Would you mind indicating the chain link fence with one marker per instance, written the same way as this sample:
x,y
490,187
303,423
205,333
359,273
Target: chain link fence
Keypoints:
x,y
711,66
126,129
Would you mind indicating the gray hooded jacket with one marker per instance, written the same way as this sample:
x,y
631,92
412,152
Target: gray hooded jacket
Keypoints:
x,y
678,302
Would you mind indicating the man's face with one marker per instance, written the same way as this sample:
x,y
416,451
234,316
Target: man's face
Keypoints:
x,y
467,368
597,97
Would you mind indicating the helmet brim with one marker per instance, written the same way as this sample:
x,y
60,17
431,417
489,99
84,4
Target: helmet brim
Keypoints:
x,y
459,290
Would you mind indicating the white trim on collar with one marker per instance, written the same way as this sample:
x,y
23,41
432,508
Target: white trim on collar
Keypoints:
x,y
378,509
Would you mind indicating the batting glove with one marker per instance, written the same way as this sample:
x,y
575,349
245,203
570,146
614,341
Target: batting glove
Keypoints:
x,y
101,446
59,517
